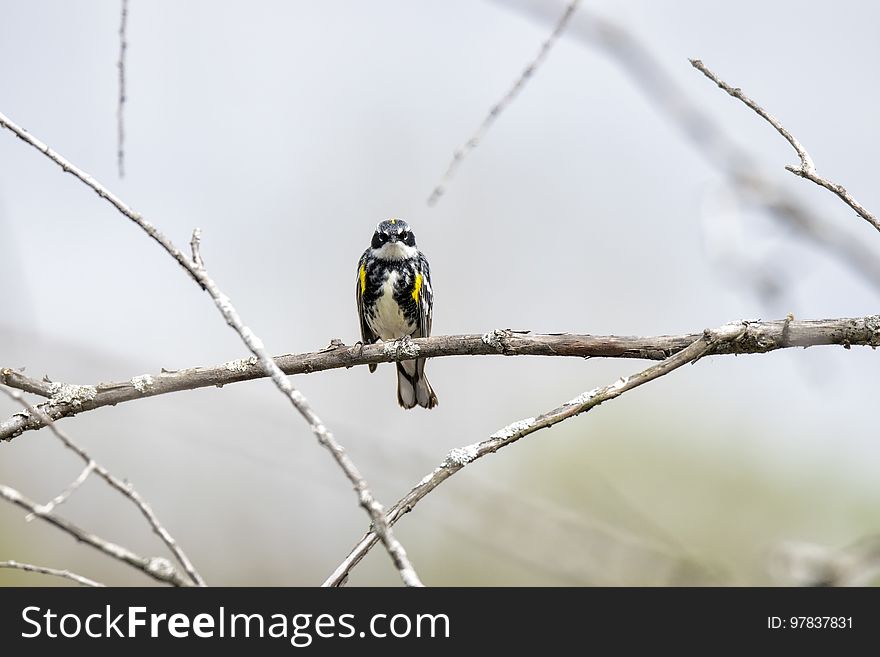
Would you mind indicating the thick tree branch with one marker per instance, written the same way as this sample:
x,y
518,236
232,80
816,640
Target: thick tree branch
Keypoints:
x,y
124,487
66,574
806,169
66,400
721,340
195,268
158,568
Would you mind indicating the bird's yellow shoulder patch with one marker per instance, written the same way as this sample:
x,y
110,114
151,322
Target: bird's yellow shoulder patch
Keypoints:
x,y
417,288
363,276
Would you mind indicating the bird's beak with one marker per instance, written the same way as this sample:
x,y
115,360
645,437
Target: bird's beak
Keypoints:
x,y
393,238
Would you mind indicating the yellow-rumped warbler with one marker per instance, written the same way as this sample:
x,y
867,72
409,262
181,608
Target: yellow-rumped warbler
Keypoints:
x,y
395,300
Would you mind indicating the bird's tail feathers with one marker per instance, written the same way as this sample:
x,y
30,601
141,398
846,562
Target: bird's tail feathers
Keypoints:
x,y
412,385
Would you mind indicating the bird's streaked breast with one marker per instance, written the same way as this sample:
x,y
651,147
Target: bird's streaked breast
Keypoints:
x,y
386,318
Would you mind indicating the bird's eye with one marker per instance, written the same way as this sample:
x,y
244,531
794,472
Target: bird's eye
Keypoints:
x,y
404,236
383,237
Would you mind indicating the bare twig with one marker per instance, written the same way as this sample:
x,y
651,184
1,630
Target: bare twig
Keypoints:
x,y
502,104
707,135
253,343
104,193
66,574
370,504
806,160
64,495
763,337
712,341
806,169
120,124
123,487
158,568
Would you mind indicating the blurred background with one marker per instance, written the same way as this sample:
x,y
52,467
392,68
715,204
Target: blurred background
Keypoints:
x,y
286,130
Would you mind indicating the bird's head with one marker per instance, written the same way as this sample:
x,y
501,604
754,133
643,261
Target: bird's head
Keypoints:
x,y
393,240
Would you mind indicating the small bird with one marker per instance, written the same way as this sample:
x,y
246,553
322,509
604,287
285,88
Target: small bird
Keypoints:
x,y
395,300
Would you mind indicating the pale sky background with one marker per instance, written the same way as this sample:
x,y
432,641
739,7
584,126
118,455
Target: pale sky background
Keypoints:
x,y
285,131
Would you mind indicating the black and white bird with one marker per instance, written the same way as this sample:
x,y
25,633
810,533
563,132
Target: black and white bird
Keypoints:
x,y
395,300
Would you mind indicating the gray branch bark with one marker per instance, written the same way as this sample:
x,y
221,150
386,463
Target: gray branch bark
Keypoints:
x,y
725,339
123,487
806,169
158,568
195,268
707,135
55,572
66,400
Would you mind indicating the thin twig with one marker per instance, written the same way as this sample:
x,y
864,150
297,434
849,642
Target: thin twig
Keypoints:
x,y
253,343
105,194
158,568
64,495
370,504
763,337
710,342
806,169
502,104
120,124
66,574
707,135
806,160
124,487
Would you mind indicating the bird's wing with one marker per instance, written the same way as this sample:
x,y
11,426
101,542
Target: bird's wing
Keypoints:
x,y
426,299
367,335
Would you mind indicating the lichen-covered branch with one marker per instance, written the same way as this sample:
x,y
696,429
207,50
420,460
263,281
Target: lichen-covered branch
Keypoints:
x,y
195,268
806,169
158,568
721,340
124,487
65,400
365,496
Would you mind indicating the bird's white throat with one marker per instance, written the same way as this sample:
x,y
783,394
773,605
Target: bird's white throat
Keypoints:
x,y
395,251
